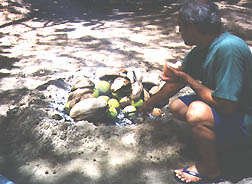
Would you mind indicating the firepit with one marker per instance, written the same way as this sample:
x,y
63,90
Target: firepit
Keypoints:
x,y
113,99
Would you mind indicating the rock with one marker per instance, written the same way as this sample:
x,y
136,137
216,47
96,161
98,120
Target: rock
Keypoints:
x,y
123,72
104,97
137,89
125,101
79,93
57,116
129,110
148,85
146,95
91,109
76,96
154,90
150,78
122,92
110,76
134,75
83,83
118,83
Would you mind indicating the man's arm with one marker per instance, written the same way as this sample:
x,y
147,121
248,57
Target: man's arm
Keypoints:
x,y
161,98
221,105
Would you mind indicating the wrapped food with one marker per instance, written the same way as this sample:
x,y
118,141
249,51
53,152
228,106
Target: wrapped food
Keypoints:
x,y
177,66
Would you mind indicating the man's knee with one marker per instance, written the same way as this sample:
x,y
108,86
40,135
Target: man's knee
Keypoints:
x,y
178,108
198,112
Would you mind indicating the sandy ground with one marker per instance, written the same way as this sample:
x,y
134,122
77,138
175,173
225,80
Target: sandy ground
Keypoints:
x,y
46,46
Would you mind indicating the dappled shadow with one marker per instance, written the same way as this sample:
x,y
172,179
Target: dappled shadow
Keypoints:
x,y
59,12
18,21
236,163
247,4
59,83
235,160
161,15
13,95
234,2
137,15
23,141
28,136
12,7
168,131
2,75
8,64
240,24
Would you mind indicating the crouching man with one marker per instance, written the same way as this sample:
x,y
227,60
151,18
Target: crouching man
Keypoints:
x,y
220,112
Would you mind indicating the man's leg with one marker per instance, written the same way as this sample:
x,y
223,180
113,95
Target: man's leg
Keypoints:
x,y
178,109
199,115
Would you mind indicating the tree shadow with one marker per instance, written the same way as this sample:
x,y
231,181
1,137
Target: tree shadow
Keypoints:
x,y
12,7
21,145
24,139
13,95
59,83
20,134
90,14
8,64
240,24
236,161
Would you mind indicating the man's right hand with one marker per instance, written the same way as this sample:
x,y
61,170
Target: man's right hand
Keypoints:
x,y
161,98
145,108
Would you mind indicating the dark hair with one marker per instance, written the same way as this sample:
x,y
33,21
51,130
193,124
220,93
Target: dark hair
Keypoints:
x,y
203,14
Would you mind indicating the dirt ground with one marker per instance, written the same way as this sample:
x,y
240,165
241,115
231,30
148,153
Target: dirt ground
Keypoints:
x,y
45,46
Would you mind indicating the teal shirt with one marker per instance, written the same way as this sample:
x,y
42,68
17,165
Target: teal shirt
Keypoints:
x,y
225,67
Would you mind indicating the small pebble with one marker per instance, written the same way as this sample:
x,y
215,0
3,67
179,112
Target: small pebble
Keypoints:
x,y
57,117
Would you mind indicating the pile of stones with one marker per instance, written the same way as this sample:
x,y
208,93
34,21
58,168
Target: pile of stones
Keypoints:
x,y
111,96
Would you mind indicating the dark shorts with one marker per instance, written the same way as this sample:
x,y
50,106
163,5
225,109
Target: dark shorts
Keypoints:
x,y
228,129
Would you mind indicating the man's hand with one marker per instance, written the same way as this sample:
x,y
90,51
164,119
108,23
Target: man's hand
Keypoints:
x,y
174,75
161,98
145,108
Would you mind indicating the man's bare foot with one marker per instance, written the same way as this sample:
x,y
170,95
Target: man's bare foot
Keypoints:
x,y
183,176
192,174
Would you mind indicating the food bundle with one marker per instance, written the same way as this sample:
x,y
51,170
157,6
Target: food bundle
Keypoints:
x,y
112,93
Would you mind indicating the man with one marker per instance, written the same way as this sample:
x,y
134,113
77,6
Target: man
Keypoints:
x,y
219,70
